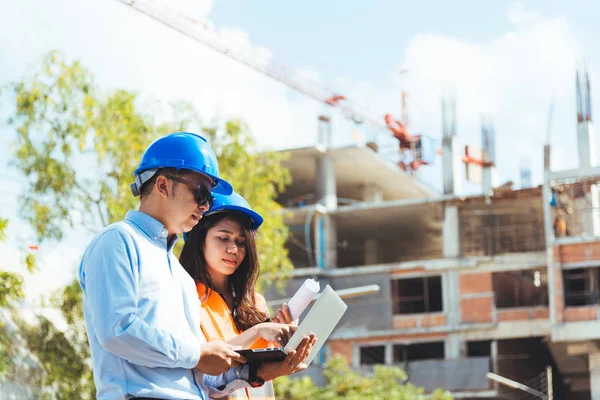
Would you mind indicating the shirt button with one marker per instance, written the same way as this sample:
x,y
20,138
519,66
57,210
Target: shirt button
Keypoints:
x,y
155,238
237,373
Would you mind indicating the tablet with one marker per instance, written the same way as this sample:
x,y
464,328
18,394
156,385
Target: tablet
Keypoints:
x,y
320,320
263,355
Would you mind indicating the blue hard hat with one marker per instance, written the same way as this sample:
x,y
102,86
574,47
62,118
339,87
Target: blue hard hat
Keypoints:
x,y
233,202
180,150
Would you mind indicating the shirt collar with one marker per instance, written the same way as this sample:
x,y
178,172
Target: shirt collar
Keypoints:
x,y
150,226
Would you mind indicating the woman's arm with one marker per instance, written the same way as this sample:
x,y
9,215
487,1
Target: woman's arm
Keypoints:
x,y
246,338
277,333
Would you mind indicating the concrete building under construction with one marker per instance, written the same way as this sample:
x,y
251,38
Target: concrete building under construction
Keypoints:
x,y
506,282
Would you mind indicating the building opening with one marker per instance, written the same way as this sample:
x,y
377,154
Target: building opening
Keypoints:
x,y
417,295
418,351
526,288
370,355
581,286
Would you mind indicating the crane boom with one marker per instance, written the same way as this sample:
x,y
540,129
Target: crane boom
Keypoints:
x,y
203,33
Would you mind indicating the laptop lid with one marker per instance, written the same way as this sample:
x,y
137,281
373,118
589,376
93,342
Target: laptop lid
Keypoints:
x,y
321,320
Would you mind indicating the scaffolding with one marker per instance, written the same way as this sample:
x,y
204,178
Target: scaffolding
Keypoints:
x,y
489,232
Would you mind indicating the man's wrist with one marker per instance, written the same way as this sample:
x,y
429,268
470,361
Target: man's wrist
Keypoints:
x,y
263,372
255,379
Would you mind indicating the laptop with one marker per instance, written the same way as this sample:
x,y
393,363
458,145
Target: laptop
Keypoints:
x,y
321,320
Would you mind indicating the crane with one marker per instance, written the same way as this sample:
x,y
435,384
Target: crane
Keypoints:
x,y
202,32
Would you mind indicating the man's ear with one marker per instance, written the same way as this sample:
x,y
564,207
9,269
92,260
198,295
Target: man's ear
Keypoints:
x,y
162,186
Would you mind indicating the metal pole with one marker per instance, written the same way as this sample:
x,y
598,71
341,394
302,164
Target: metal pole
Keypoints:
x,y
516,385
549,235
549,383
343,293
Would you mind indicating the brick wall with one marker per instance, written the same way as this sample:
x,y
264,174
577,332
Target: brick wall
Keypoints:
x,y
586,313
577,252
566,254
418,321
520,314
477,297
343,348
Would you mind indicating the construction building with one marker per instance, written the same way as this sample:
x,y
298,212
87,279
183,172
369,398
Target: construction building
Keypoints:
x,y
506,282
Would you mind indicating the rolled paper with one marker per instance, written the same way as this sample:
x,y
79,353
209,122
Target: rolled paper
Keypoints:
x,y
303,297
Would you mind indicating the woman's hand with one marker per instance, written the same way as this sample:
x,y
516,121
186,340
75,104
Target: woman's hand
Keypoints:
x,y
284,316
294,362
275,332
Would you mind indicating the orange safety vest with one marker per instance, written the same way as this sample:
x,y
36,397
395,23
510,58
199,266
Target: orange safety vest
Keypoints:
x,y
217,323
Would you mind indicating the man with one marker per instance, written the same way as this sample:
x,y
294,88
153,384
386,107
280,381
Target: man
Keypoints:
x,y
141,308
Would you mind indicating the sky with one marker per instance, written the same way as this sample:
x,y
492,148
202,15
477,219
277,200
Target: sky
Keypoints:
x,y
504,59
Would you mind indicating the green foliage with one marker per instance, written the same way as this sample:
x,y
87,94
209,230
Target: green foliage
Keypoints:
x,y
343,383
11,289
64,359
63,123
3,225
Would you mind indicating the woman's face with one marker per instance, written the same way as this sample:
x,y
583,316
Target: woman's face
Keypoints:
x,y
225,247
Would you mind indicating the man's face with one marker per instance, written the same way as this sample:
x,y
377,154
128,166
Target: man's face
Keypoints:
x,y
182,211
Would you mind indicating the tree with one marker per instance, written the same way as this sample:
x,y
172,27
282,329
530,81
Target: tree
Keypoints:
x,y
343,383
11,289
63,123
65,356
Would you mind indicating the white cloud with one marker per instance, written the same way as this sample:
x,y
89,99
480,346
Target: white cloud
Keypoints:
x,y
512,78
198,9
124,48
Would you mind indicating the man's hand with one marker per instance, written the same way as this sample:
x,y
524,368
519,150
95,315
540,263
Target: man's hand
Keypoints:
x,y
294,362
278,333
217,357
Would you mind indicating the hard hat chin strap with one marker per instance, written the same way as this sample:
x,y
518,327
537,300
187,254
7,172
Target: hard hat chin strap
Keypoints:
x,y
140,179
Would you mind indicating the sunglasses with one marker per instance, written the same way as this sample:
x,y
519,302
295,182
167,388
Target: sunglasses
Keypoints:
x,y
201,194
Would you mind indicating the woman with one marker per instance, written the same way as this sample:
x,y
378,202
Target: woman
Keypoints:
x,y
220,254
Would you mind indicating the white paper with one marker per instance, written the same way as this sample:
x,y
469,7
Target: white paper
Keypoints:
x,y
303,297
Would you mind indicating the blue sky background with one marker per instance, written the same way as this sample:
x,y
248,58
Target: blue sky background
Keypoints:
x,y
506,59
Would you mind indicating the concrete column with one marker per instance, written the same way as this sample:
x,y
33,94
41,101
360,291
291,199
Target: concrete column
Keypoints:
x,y
549,233
372,194
326,184
371,251
451,165
594,362
454,347
325,241
325,229
489,179
451,297
451,232
586,144
494,357
589,212
325,173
